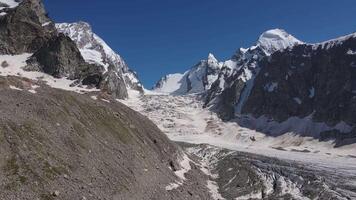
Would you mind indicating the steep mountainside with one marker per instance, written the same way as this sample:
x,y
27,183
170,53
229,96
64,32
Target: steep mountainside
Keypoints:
x,y
57,144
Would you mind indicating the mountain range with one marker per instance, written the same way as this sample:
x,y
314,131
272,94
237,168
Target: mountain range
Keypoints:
x,y
279,79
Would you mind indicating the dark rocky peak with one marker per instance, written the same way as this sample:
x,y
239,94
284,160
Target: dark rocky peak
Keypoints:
x,y
60,58
25,28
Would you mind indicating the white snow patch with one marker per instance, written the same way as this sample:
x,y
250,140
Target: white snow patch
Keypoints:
x,y
10,3
270,87
254,195
172,186
93,57
351,52
105,100
15,88
230,64
33,89
353,64
222,82
46,24
250,79
311,92
185,167
94,97
297,100
214,190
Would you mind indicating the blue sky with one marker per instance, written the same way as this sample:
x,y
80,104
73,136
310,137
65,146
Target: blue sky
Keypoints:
x,y
157,37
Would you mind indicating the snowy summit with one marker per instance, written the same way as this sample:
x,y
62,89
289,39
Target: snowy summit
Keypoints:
x,y
276,39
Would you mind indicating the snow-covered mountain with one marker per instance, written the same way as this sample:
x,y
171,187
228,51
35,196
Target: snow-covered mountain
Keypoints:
x,y
281,79
236,77
211,77
201,76
275,40
197,80
95,50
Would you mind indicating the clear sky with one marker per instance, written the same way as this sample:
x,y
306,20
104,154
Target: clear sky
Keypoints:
x,y
157,37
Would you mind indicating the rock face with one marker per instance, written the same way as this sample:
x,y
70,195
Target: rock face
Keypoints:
x,y
60,58
25,28
113,84
95,51
309,80
305,80
66,145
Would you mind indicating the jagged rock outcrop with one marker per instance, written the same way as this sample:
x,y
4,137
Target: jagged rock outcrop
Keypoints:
x,y
25,28
113,85
60,58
